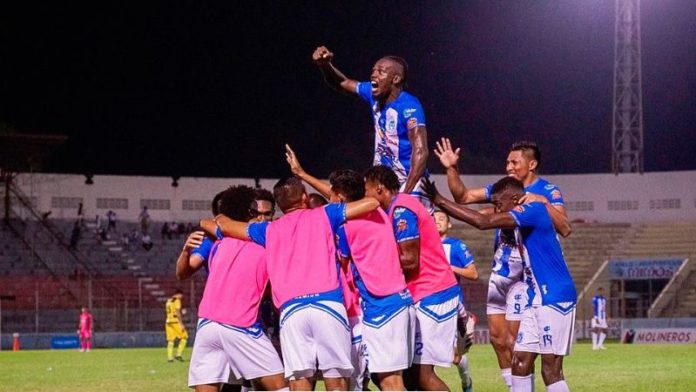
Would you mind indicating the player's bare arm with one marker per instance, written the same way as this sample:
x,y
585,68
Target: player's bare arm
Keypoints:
x,y
360,207
336,79
321,186
418,136
472,217
187,264
558,214
409,256
469,272
449,159
228,227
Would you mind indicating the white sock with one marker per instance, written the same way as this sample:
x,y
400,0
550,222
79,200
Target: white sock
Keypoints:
x,y
595,339
602,336
507,377
522,383
559,386
463,369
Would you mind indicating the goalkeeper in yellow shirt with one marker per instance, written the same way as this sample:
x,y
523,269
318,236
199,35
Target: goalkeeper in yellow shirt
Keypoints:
x,y
174,327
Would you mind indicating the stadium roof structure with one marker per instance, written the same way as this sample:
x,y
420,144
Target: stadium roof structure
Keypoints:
x,y
21,152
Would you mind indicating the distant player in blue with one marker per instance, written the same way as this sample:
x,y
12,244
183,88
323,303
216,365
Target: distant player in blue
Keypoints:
x,y
462,262
599,320
548,321
401,139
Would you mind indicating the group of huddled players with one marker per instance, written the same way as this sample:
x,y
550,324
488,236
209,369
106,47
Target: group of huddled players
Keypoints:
x,y
369,281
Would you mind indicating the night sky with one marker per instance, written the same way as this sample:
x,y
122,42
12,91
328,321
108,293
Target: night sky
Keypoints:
x,y
208,89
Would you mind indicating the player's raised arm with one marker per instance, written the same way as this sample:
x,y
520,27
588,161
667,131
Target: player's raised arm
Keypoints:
x,y
418,136
472,217
449,159
188,263
297,170
558,214
360,207
336,79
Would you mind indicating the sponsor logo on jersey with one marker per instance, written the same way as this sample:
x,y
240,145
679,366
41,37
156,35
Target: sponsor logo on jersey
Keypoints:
x,y
412,123
409,112
555,194
549,186
401,225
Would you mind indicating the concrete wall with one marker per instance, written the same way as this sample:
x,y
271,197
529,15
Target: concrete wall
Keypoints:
x,y
593,197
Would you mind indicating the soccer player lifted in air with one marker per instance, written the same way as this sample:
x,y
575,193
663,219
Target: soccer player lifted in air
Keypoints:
x,y
462,262
174,326
303,272
505,289
401,140
229,337
429,276
85,330
548,320
599,320
367,248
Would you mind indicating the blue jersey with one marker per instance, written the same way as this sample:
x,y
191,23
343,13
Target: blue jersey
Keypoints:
x,y
457,253
599,307
203,250
507,259
392,123
549,281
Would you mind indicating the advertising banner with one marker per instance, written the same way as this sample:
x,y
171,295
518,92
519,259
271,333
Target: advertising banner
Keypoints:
x,y
643,269
659,335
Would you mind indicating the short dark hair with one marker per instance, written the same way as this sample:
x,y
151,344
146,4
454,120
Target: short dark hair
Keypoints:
x,y
235,202
442,212
507,183
404,66
317,200
528,147
383,175
348,182
266,195
288,192
215,204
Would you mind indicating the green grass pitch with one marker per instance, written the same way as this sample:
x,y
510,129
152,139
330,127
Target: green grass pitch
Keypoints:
x,y
619,368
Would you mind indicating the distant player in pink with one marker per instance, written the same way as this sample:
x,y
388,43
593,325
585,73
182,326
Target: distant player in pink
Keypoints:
x,y
84,330
229,336
304,276
428,275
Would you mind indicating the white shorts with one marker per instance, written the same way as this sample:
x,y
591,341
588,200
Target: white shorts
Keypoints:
x,y
597,323
546,330
435,326
221,348
390,346
506,296
358,355
312,335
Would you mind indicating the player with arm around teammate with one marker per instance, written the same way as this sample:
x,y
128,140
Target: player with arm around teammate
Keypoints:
x,y
429,276
548,320
303,272
506,294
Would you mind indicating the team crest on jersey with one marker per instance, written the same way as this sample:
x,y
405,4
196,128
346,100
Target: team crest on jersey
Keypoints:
x,y
391,124
411,123
555,194
401,225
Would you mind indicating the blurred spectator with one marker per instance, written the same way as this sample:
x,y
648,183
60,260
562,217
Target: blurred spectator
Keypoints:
x,y
166,233
111,217
180,229
134,236
189,228
75,235
147,242
125,241
173,230
144,220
